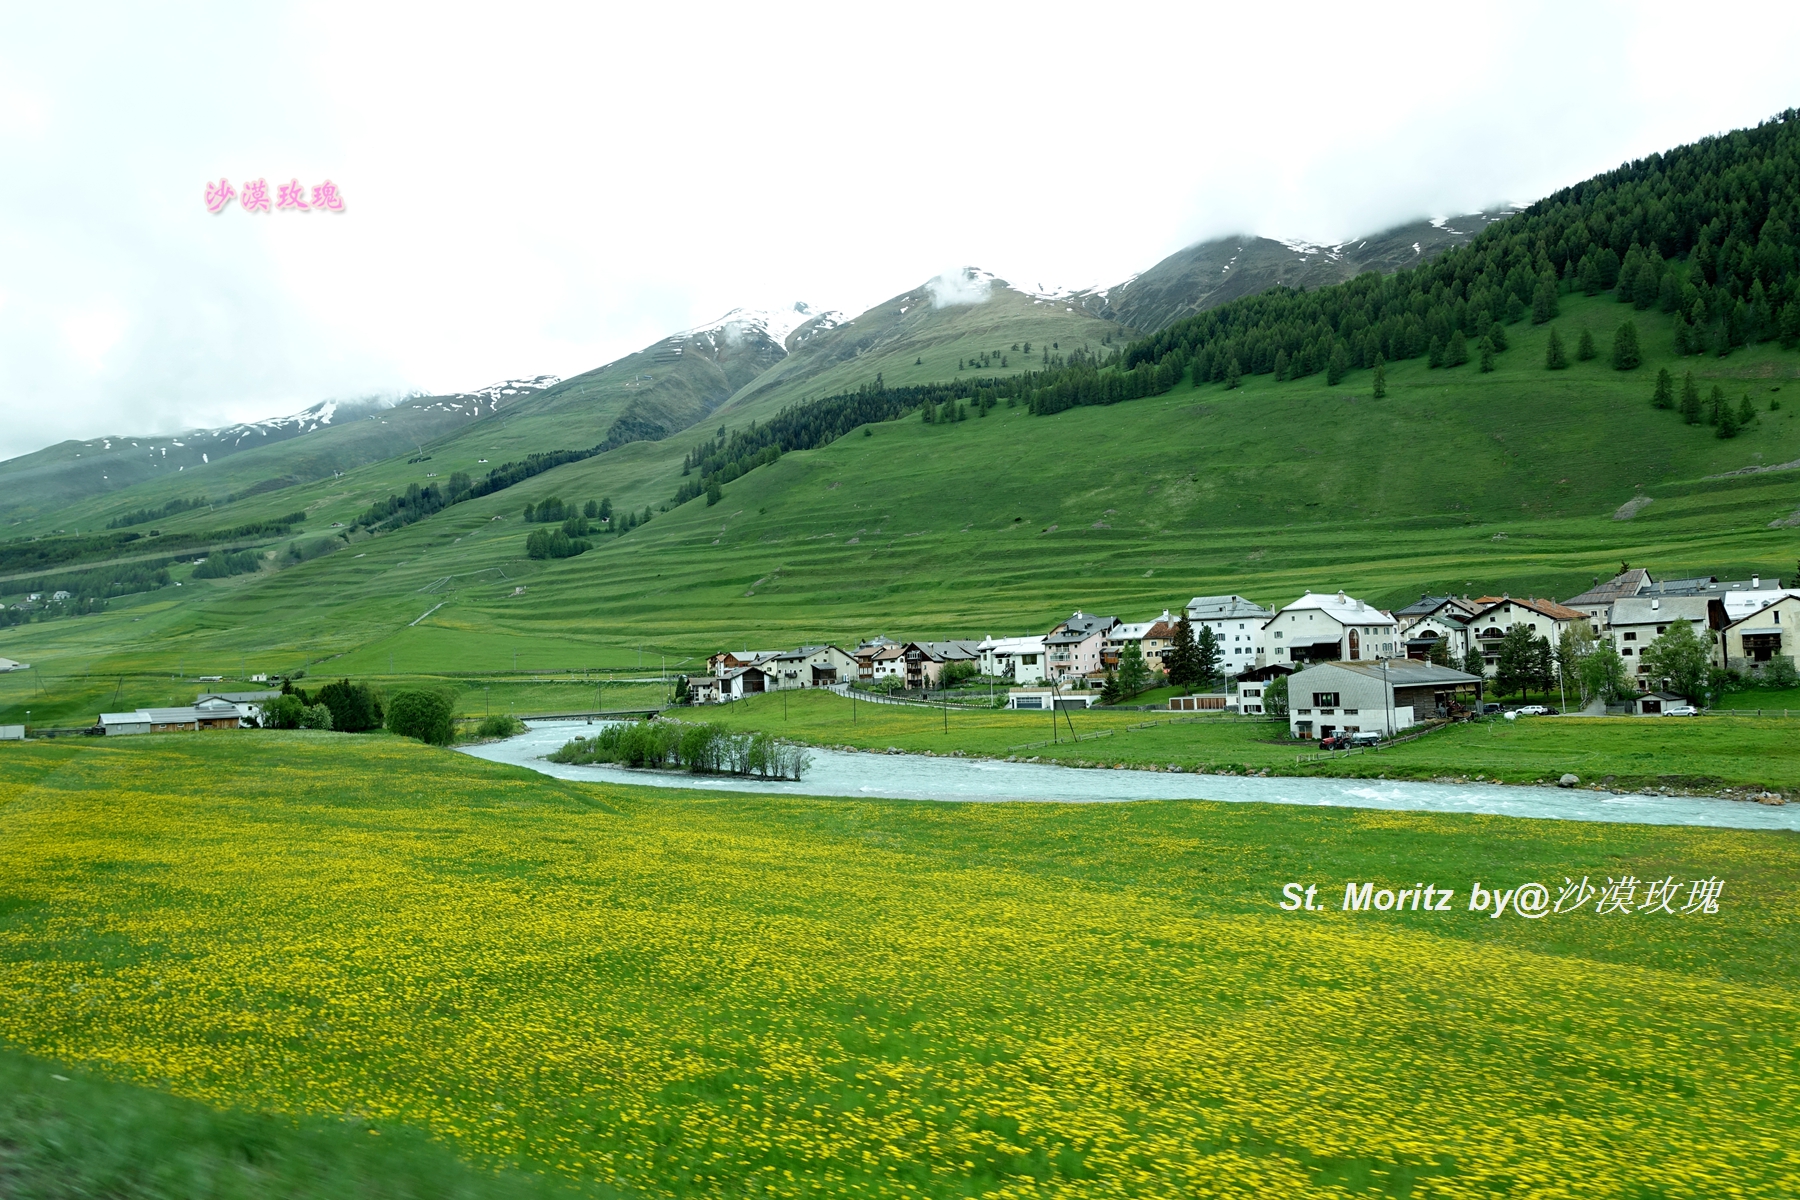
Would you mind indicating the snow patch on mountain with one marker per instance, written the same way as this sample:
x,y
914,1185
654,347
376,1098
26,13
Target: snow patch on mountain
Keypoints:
x,y
960,287
775,324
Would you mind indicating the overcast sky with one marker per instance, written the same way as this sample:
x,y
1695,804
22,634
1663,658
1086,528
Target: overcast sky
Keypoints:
x,y
540,189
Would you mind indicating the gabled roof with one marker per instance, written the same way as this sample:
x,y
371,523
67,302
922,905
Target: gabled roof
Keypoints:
x,y
1032,644
1216,608
1760,615
1428,605
948,651
1626,583
1649,610
237,697
1346,610
1548,608
139,717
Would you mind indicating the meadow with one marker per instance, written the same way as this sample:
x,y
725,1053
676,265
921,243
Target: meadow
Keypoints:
x,y
1702,754
670,993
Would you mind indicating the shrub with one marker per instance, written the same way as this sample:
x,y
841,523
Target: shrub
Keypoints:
x,y
499,727
283,712
315,716
421,714
355,708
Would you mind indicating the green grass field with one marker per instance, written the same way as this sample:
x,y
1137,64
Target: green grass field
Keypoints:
x,y
1703,753
702,994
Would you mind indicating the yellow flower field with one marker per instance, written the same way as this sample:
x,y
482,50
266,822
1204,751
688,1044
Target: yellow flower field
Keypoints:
x,y
688,994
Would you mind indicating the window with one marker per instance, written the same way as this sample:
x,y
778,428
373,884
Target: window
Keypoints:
x,y
1625,653
1349,712
1278,633
1630,637
1662,628
1325,699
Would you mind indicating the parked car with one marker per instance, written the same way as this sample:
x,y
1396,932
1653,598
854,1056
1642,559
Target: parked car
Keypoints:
x,y
1488,710
1533,710
1681,710
1368,738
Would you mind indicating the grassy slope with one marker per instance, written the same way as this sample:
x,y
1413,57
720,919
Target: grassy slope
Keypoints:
x,y
1460,481
707,994
1705,753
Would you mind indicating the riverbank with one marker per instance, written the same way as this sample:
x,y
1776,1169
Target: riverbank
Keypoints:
x,y
1727,757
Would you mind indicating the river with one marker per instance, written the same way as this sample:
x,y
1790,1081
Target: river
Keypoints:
x,y
873,776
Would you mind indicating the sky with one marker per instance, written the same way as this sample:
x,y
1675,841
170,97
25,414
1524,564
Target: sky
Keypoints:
x,y
539,189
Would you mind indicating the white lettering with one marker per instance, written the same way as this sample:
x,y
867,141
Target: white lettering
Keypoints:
x,y
1384,899
1500,902
1355,900
1479,897
1311,890
1292,892
1443,905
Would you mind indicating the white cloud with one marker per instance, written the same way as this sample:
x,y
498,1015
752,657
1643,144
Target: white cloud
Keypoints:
x,y
541,189
965,285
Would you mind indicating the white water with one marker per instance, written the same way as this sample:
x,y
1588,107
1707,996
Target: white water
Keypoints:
x,y
872,776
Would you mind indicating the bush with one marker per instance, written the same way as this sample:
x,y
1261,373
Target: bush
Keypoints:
x,y
954,673
702,749
283,712
355,708
416,713
315,716
499,727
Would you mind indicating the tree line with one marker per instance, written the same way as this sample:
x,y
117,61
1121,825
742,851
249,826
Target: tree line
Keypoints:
x,y
26,554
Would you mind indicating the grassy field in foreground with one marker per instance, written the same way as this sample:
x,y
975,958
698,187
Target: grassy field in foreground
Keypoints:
x,y
1702,752
700,994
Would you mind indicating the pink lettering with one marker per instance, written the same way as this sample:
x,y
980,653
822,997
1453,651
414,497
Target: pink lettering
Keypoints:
x,y
291,195
256,196
326,196
219,195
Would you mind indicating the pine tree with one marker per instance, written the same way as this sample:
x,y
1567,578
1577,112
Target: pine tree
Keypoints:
x,y
1590,275
1728,420
1109,691
1645,287
1337,366
1543,301
1179,662
1435,358
1715,404
1281,366
1457,352
1584,349
1555,357
1497,335
1625,355
1746,414
1380,378
1487,355
1665,390
1690,399
1234,374
1206,655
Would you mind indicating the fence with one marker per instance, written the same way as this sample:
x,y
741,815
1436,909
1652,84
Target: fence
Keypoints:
x,y
1333,755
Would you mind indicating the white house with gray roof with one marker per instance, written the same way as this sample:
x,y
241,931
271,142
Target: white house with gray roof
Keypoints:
x,y
1331,627
1238,624
1374,697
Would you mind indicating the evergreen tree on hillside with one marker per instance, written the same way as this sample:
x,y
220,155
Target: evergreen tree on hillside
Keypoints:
x,y
1625,354
1486,355
1555,357
1584,349
1380,379
1645,288
1234,374
1497,335
1543,301
1715,404
1337,366
1690,399
1457,352
1665,390
1474,664
1746,415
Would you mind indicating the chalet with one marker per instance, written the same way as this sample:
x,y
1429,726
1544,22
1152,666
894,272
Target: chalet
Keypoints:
x,y
704,689
739,682
1436,619
1637,621
1074,648
889,662
1545,618
865,654
1598,600
1238,624
1020,659
1152,638
1754,641
812,666
1380,697
1330,627
925,661
727,660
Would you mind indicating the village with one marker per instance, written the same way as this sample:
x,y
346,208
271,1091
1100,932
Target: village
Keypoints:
x,y
1336,667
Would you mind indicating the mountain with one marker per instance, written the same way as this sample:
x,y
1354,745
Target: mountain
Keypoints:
x,y
331,436
1208,274
969,322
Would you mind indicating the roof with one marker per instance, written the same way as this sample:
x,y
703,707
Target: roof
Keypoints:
x,y
1346,610
7,664
958,649
745,670
1402,672
1215,608
1738,605
1137,631
1428,605
1548,608
140,717
1085,624
1032,644
1648,610
1626,583
1739,616
1706,585
238,697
